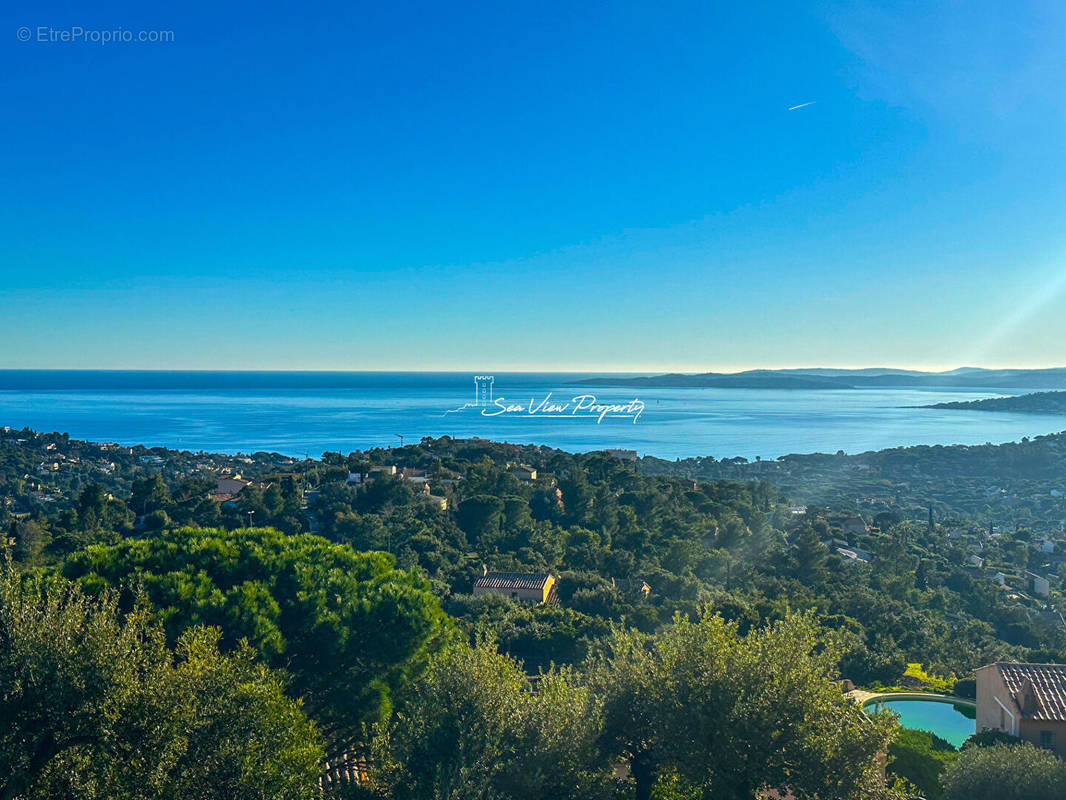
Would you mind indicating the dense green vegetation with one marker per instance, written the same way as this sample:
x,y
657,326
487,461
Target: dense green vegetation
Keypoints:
x,y
700,710
346,626
471,727
921,757
604,528
1006,772
989,764
97,705
1034,403
1017,485
94,705
727,715
672,656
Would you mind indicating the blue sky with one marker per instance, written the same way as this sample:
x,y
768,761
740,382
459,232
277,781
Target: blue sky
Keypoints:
x,y
522,185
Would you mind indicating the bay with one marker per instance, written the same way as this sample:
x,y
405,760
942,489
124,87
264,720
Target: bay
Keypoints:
x,y
310,412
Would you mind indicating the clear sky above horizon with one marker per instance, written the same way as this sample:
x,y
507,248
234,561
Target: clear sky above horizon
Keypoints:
x,y
524,186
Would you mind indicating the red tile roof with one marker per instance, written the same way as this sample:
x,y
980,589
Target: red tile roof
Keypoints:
x,y
1047,683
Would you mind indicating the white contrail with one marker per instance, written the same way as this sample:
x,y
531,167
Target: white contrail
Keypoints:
x,y
801,105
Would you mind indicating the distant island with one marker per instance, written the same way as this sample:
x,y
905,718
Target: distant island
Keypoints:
x,y
872,377
1035,403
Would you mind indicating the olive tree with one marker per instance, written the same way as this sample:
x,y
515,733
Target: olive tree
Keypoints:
x,y
733,715
1005,772
473,727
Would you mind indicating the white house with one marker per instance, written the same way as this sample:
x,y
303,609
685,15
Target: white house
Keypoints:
x,y
1040,585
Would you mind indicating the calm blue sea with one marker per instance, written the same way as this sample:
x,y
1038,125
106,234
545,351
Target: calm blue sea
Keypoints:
x,y
297,413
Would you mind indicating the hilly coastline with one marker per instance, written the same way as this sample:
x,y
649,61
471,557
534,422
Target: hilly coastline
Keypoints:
x,y
1035,403
822,378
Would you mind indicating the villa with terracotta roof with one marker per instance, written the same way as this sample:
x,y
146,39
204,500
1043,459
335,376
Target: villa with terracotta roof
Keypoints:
x,y
524,473
229,485
1024,700
530,587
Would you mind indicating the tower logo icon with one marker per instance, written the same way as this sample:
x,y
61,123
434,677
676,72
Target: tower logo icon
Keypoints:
x,y
483,390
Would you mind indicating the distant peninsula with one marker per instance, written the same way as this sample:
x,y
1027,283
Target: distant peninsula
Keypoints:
x,y
869,378
1036,403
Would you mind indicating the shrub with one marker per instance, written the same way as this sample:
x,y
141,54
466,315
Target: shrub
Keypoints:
x,y
966,687
1020,772
935,683
991,737
921,757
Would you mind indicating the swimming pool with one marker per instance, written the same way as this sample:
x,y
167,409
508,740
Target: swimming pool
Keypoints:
x,y
949,720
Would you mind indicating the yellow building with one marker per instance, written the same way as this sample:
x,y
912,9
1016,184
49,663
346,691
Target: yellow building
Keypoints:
x,y
524,473
529,587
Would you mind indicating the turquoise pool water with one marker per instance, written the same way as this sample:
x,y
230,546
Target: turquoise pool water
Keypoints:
x,y
951,721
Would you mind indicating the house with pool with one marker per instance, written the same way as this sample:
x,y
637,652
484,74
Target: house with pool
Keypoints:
x,y
1024,700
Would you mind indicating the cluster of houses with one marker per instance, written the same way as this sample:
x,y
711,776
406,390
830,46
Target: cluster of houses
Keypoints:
x,y
417,477
55,460
230,484
1023,584
852,526
420,479
1023,700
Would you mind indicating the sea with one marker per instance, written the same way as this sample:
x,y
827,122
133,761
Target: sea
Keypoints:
x,y
307,413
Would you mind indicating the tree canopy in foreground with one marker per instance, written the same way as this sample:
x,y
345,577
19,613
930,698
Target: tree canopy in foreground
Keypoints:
x,y
1005,772
94,705
698,712
730,715
471,727
348,627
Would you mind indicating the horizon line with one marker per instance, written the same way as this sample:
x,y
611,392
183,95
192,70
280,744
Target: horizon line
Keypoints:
x,y
939,369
